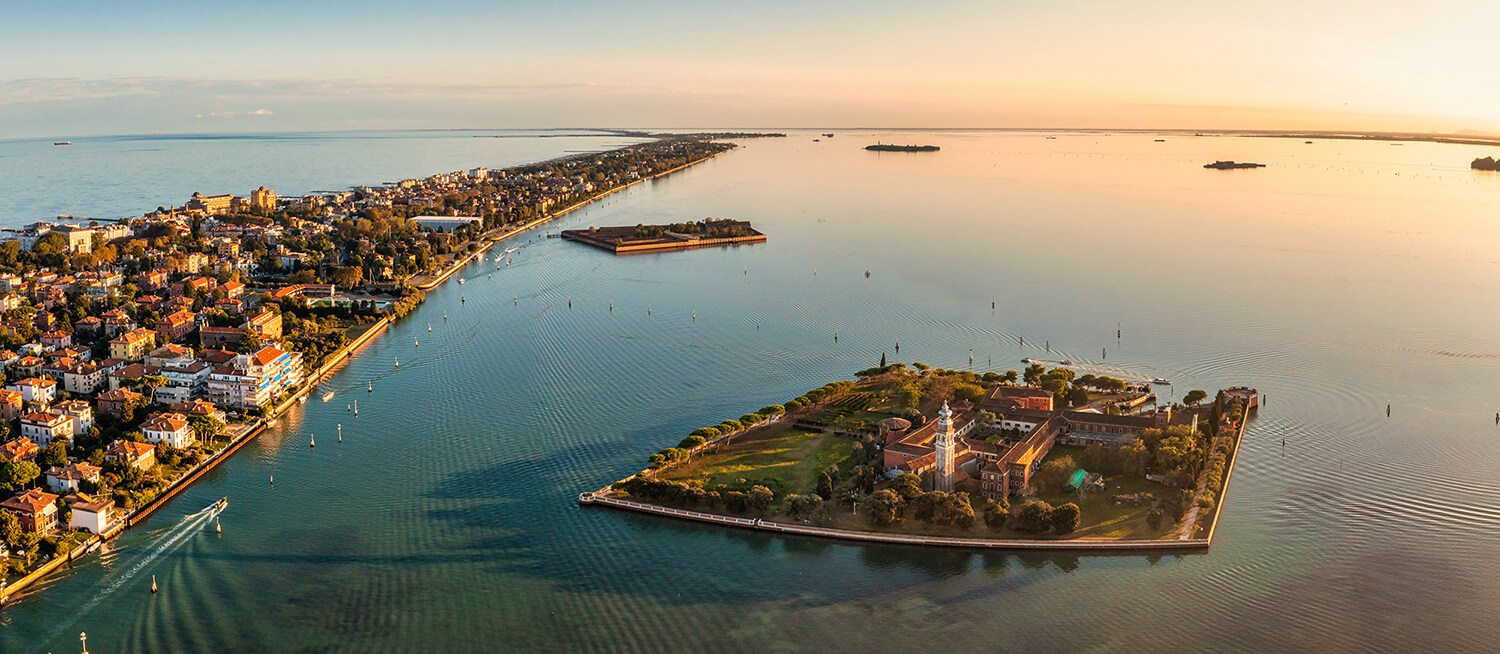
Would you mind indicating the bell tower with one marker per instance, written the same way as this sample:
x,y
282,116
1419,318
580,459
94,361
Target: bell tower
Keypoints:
x,y
944,443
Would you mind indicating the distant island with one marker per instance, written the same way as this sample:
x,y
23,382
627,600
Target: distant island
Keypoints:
x,y
676,236
1230,165
1485,163
881,147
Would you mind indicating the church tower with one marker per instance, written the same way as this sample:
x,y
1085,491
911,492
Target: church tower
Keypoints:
x,y
945,443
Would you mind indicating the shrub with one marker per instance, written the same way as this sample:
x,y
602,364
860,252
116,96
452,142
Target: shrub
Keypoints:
x,y
882,508
1064,518
692,442
1033,516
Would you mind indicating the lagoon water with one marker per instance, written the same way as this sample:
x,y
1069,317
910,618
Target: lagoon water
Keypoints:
x,y
1344,276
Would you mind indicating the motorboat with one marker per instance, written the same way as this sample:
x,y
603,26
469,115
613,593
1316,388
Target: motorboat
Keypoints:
x,y
328,396
1160,380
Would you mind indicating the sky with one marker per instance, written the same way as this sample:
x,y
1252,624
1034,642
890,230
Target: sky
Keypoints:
x,y
88,68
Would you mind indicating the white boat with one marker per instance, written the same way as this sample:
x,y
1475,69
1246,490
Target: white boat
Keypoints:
x,y
460,281
1159,380
1066,362
328,396
1027,360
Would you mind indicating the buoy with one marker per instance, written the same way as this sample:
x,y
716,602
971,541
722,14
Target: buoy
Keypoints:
x,y
611,306
1388,410
273,480
695,316
370,387
648,311
153,583
429,328
462,299
312,441
445,316
398,362
218,528
570,304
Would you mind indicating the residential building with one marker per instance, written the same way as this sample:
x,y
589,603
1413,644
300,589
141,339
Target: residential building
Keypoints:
x,y
254,380
81,413
84,379
113,402
185,381
93,514
35,509
170,428
35,389
65,479
18,449
141,456
42,427
176,326
132,345
10,404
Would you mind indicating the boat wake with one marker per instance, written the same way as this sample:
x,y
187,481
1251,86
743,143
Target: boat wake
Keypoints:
x,y
164,542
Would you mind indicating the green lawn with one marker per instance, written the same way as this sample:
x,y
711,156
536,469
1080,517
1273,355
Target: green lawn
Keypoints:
x,y
791,457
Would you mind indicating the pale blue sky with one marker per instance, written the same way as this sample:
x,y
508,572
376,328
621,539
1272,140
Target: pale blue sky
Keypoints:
x,y
92,68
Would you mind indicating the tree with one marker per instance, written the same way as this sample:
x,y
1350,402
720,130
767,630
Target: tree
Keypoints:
x,y
249,341
1033,374
153,382
759,498
825,485
996,514
967,391
1194,396
1010,377
55,454
907,486
1034,517
882,359
10,529
953,509
17,474
803,506
206,428
1064,518
882,508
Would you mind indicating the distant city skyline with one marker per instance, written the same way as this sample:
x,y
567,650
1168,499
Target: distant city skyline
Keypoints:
x,y
175,67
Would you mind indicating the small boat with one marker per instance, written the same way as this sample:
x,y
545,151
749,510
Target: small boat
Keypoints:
x,y
63,143
1159,380
220,505
1161,140
328,396
828,134
867,274
302,399
153,583
1027,360
460,281
1066,362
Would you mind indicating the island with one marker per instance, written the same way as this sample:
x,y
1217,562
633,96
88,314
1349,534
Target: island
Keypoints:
x,y
141,353
1485,163
882,147
676,236
1231,165
1039,459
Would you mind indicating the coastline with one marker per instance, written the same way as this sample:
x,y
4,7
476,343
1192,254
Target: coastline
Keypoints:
x,y
254,428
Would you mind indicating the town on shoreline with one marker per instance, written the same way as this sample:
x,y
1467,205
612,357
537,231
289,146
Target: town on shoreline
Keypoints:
x,y
1035,459
138,354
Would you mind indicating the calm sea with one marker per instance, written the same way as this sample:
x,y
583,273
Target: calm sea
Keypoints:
x,y
1344,276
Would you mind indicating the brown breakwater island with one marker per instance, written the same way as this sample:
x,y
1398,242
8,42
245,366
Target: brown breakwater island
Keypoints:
x,y
1040,459
708,232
